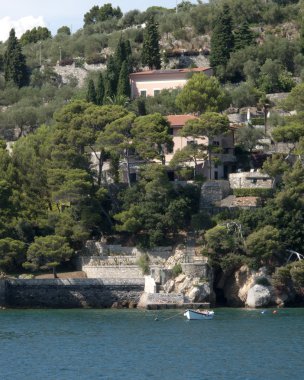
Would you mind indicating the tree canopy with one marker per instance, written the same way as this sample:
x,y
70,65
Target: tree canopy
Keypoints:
x,y
15,69
202,94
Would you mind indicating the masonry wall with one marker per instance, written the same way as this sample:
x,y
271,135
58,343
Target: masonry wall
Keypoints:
x,y
113,271
69,293
197,270
112,252
250,180
213,192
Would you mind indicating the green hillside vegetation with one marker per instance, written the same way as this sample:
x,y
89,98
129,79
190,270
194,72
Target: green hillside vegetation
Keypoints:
x,y
51,198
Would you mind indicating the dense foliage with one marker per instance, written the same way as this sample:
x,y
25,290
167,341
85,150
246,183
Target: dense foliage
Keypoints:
x,y
70,175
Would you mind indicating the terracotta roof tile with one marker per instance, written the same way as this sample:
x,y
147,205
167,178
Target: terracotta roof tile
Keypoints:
x,y
171,71
179,120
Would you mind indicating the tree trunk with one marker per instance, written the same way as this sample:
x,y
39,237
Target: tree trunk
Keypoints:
x,y
210,161
100,159
55,272
195,166
128,166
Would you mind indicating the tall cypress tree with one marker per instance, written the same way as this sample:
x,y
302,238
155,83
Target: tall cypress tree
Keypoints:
x,y
243,36
91,93
123,87
222,41
100,90
123,53
111,78
120,54
15,69
150,52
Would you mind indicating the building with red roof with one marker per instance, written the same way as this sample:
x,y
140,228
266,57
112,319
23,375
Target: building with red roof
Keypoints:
x,y
226,159
151,82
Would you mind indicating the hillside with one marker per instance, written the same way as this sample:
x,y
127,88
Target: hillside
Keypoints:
x,y
88,162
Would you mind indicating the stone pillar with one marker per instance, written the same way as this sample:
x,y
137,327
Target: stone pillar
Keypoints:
x,y
2,293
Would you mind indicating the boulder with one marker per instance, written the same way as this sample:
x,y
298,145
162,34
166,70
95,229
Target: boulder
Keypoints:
x,y
237,285
258,296
199,293
169,286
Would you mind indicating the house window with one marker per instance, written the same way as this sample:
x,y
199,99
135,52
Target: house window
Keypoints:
x,y
143,93
171,132
215,175
216,143
254,180
191,142
156,92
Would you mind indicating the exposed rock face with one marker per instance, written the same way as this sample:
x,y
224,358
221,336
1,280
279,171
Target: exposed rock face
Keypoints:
x,y
177,258
258,296
244,288
194,289
194,284
237,286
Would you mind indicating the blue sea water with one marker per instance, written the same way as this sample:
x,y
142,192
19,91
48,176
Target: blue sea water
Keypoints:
x,y
132,344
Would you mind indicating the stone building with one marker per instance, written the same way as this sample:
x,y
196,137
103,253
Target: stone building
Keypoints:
x,y
250,180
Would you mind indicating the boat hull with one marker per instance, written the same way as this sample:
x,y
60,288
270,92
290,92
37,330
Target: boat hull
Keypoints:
x,y
198,315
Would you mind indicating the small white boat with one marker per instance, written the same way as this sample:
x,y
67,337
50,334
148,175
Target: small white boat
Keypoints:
x,y
198,314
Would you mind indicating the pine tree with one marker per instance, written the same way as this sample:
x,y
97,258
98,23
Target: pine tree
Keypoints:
x,y
100,90
15,69
123,87
243,36
222,40
150,52
91,94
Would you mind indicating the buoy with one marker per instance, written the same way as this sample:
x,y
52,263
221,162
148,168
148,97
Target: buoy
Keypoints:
x,y
274,312
263,311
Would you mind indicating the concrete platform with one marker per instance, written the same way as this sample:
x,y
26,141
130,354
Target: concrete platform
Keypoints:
x,y
163,306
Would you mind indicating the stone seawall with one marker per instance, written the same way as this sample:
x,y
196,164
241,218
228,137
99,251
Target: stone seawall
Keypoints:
x,y
69,293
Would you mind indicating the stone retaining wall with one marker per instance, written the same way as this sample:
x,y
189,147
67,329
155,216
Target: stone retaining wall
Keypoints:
x,y
69,293
97,249
113,271
213,191
197,270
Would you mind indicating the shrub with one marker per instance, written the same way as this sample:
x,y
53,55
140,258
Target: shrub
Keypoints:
x,y
297,274
231,262
95,59
281,277
262,281
201,221
262,193
176,270
144,263
66,62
